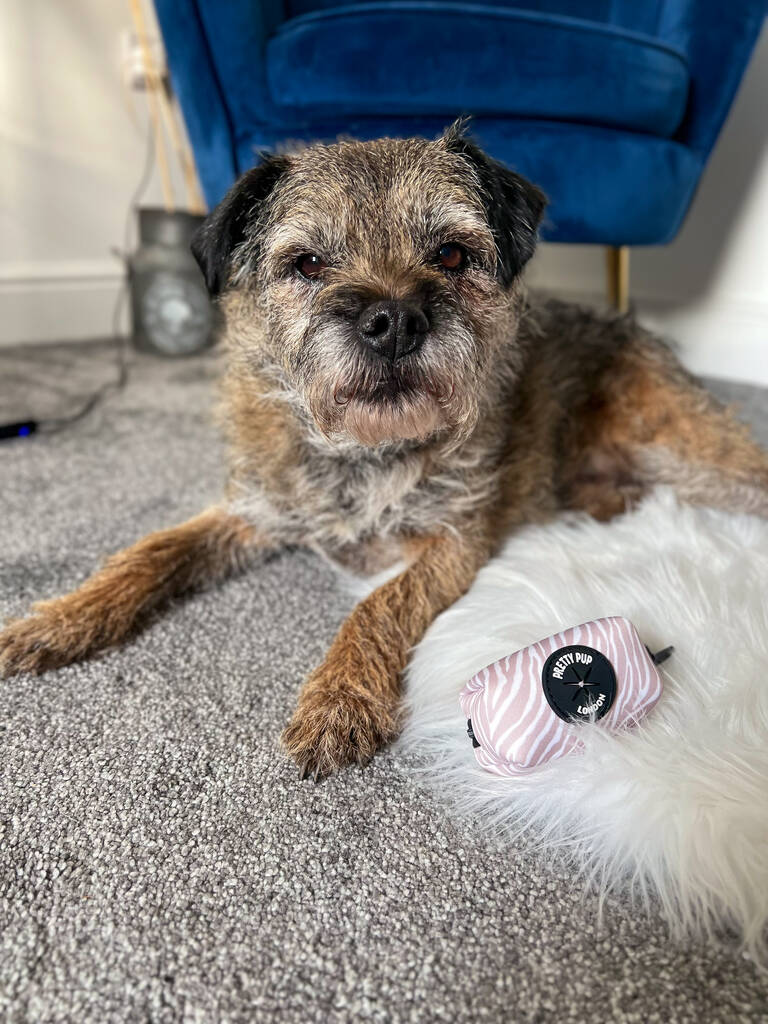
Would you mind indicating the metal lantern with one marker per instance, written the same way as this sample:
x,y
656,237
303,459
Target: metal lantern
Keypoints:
x,y
171,310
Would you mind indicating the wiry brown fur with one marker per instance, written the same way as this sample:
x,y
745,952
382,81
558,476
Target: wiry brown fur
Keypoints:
x,y
113,602
505,415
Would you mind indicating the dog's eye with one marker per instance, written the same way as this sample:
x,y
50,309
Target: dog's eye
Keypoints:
x,y
309,265
452,257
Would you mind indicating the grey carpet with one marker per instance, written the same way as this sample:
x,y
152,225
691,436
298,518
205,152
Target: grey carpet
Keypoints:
x,y
159,859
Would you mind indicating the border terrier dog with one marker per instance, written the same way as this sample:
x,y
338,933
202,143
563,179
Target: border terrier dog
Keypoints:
x,y
392,397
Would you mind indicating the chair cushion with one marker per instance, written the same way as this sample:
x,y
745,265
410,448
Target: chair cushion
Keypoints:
x,y
420,58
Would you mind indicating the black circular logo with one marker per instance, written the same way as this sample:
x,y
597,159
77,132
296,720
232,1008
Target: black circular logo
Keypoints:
x,y
579,683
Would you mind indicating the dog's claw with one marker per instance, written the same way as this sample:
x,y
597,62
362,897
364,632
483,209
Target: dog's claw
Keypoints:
x,y
307,771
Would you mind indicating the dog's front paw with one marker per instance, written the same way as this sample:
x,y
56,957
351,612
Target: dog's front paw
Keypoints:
x,y
336,725
42,641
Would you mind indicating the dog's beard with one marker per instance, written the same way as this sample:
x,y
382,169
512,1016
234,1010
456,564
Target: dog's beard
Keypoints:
x,y
374,403
416,417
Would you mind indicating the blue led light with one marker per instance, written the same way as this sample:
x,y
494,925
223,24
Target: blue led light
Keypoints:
x,y
24,431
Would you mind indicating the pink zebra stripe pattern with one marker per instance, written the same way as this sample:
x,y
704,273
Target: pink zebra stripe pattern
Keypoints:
x,y
518,725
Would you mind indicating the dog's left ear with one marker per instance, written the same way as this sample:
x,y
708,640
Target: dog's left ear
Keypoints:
x,y
215,241
514,207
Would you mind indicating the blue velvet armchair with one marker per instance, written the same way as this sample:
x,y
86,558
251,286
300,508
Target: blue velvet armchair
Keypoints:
x,y
611,106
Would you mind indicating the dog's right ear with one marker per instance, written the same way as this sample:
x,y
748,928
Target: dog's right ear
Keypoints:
x,y
224,229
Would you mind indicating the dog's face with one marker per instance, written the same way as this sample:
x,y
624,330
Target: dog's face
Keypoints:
x,y
379,277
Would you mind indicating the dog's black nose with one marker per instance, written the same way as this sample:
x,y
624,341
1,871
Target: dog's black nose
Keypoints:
x,y
393,329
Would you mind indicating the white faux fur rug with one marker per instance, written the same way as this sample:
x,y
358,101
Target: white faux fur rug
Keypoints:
x,y
677,806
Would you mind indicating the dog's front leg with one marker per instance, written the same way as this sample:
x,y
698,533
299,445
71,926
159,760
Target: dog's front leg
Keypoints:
x,y
113,602
350,705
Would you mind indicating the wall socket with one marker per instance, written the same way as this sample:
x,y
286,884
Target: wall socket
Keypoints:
x,y
132,68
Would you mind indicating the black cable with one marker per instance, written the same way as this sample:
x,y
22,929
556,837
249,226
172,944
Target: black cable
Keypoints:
x,y
25,428
52,426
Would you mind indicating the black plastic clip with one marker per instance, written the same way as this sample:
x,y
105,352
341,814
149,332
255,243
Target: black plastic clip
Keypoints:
x,y
471,734
659,656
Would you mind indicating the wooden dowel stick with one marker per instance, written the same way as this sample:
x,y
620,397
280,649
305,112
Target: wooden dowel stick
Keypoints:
x,y
194,195
154,106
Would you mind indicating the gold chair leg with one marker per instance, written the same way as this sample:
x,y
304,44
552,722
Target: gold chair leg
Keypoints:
x,y
617,277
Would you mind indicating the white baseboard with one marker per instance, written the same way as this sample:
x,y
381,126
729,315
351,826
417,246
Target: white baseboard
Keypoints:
x,y
714,337
58,300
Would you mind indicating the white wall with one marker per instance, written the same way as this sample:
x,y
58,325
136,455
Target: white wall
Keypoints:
x,y
72,148
71,154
